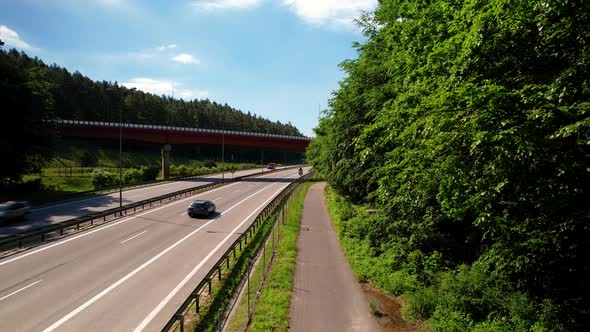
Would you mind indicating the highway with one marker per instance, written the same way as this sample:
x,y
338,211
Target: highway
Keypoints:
x,y
58,212
131,274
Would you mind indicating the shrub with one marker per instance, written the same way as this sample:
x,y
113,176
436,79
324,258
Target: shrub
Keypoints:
x,y
421,304
210,163
103,179
149,173
132,175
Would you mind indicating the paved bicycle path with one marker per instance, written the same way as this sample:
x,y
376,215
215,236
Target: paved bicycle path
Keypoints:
x,y
326,296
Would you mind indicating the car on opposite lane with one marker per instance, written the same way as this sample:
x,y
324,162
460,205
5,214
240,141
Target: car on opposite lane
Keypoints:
x,y
201,207
14,209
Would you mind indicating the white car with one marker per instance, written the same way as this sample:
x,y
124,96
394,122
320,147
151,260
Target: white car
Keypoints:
x,y
14,209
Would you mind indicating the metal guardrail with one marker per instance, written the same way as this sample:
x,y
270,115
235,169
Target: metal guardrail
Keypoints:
x,y
52,232
177,320
180,129
149,183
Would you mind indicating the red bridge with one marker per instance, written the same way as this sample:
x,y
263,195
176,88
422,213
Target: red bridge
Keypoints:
x,y
181,135
167,136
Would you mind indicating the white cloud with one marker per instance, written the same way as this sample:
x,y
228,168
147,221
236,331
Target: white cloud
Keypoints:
x,y
166,47
11,38
336,13
150,53
213,5
112,3
164,87
192,94
186,59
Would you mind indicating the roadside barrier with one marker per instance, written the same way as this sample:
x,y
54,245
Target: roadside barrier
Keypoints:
x,y
200,297
13,243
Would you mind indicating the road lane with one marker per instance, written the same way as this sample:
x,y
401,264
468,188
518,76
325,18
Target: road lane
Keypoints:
x,y
76,271
55,213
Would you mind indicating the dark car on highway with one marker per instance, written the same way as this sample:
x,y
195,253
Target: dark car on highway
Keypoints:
x,y
14,210
201,208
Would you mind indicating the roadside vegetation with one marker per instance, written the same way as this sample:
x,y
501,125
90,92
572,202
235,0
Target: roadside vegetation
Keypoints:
x,y
58,184
458,147
213,305
33,94
272,310
83,167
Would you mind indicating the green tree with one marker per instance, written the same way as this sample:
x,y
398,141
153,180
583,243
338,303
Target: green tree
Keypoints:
x,y
467,124
26,134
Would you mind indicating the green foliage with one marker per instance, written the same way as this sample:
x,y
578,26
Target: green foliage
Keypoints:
x,y
466,124
181,170
142,174
149,173
465,298
88,159
132,175
77,97
210,163
273,309
104,179
26,137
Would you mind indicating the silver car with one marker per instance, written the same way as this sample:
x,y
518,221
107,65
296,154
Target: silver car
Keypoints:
x,y
14,209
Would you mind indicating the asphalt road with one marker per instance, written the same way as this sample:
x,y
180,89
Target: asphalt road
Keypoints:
x,y
59,212
131,274
326,296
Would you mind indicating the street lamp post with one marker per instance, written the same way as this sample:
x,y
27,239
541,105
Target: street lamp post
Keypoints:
x,y
121,156
120,143
222,157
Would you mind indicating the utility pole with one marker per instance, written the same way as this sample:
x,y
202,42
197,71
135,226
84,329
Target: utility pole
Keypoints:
x,y
223,156
121,101
121,156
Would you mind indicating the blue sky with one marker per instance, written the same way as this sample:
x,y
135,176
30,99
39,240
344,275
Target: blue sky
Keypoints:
x,y
276,58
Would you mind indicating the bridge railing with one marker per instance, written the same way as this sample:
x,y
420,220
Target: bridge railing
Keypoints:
x,y
180,129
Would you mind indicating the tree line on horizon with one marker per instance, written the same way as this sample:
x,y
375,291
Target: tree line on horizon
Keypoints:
x,y
33,93
77,97
466,124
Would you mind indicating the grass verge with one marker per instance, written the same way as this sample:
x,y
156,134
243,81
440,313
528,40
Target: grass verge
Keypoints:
x,y
59,187
221,292
271,312
213,304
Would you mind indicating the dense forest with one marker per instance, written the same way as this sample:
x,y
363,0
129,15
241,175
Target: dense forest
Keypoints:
x,y
77,97
466,125
32,93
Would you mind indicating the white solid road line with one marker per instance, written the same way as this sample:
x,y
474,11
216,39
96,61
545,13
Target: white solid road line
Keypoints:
x,y
109,225
20,290
133,237
137,270
167,299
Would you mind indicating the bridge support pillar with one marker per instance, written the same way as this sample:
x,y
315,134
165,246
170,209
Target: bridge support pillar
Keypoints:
x,y
166,161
